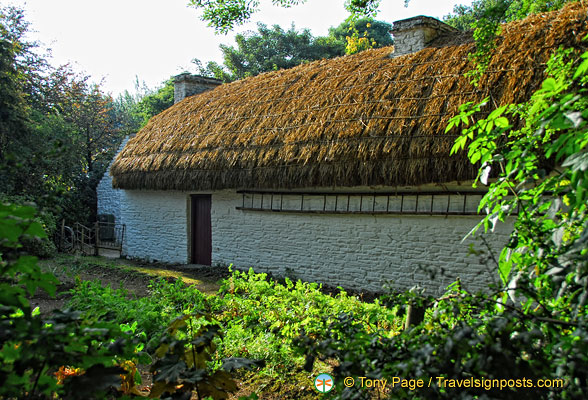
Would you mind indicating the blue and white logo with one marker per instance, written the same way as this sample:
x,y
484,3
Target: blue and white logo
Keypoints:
x,y
324,383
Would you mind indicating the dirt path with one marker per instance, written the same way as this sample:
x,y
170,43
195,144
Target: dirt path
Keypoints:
x,y
134,276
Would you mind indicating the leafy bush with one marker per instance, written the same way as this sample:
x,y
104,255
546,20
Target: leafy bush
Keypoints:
x,y
151,314
184,358
34,349
42,247
262,317
258,318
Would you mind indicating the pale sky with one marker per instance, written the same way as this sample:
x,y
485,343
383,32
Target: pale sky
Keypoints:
x,y
116,40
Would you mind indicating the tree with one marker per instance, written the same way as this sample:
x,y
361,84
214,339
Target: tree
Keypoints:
x,y
271,49
362,34
156,101
13,109
225,15
465,17
20,69
57,130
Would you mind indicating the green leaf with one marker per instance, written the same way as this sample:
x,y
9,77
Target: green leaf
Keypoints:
x,y
10,231
497,112
36,229
502,122
549,85
169,370
582,68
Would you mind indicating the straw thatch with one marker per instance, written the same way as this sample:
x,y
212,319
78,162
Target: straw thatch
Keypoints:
x,y
365,119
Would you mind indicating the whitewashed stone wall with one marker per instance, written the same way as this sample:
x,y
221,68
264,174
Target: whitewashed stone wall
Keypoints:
x,y
358,251
354,251
108,197
156,225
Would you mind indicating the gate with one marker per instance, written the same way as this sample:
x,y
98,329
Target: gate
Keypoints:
x,y
102,238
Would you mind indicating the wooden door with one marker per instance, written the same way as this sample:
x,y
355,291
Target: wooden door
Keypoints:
x,y
201,229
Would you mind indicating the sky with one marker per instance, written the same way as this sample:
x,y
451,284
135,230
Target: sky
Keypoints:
x,y
117,42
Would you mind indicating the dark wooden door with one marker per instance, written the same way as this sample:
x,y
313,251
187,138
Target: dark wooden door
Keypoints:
x,y
201,229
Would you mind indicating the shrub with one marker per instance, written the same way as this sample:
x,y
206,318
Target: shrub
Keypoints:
x,y
35,350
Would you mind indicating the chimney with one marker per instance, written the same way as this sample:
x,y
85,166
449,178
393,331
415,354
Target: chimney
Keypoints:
x,y
186,85
416,33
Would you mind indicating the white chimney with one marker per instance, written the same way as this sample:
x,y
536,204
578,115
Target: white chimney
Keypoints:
x,y
414,34
186,85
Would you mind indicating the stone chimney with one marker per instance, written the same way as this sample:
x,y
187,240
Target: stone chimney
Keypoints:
x,y
186,85
416,33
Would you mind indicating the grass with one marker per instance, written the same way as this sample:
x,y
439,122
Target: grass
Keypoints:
x,y
66,267
259,318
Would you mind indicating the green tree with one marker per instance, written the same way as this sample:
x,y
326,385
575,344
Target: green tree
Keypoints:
x,y
362,34
57,130
124,109
271,49
13,109
224,15
465,17
156,101
22,71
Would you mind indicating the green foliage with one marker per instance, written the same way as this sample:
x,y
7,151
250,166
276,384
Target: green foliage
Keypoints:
x,y
364,7
42,247
465,17
151,314
361,34
154,102
258,318
458,340
184,357
546,256
13,109
132,112
32,347
17,223
271,49
224,15
263,317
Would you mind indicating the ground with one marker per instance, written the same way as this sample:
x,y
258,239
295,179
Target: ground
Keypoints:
x,y
133,275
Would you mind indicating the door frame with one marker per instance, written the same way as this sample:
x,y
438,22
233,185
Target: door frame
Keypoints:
x,y
192,226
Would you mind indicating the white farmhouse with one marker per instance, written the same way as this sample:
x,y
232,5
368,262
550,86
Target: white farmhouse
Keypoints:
x,y
336,171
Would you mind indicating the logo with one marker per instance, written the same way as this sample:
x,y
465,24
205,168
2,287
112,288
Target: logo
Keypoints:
x,y
324,383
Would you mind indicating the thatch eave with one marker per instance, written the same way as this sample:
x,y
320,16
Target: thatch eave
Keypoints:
x,y
360,120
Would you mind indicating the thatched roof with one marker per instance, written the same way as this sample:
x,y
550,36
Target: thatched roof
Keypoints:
x,y
365,119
